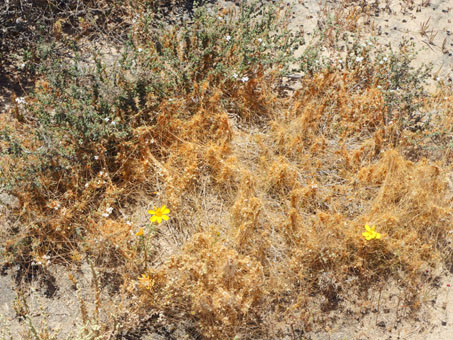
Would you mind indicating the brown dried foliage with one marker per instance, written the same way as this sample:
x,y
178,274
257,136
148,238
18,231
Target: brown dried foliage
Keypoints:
x,y
301,190
267,212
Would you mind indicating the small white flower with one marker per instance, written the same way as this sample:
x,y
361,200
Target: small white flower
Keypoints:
x,y
109,210
245,79
96,157
220,18
107,119
20,100
359,59
235,76
86,185
105,215
139,49
228,38
129,223
22,65
379,87
437,79
260,40
385,59
113,123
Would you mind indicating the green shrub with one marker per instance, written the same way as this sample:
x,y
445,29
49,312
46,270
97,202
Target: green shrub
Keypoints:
x,y
86,115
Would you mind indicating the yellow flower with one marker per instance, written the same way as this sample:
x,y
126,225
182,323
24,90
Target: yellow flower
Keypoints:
x,y
370,233
146,281
139,232
159,214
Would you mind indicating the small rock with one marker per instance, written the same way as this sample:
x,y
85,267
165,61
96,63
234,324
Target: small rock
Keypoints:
x,y
444,323
381,324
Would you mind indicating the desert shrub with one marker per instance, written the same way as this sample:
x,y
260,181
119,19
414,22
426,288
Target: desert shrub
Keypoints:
x,y
88,129
328,165
268,192
27,24
330,162
224,50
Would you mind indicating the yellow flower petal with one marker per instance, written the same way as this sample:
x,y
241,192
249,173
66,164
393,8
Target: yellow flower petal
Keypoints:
x,y
165,211
139,233
165,217
368,236
152,212
372,228
378,236
367,227
159,219
153,218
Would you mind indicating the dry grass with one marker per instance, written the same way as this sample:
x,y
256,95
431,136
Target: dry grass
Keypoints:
x,y
301,195
269,196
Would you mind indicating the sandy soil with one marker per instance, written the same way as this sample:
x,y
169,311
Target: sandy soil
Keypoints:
x,y
429,24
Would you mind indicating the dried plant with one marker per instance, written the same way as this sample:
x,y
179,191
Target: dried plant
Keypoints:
x,y
424,27
268,190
